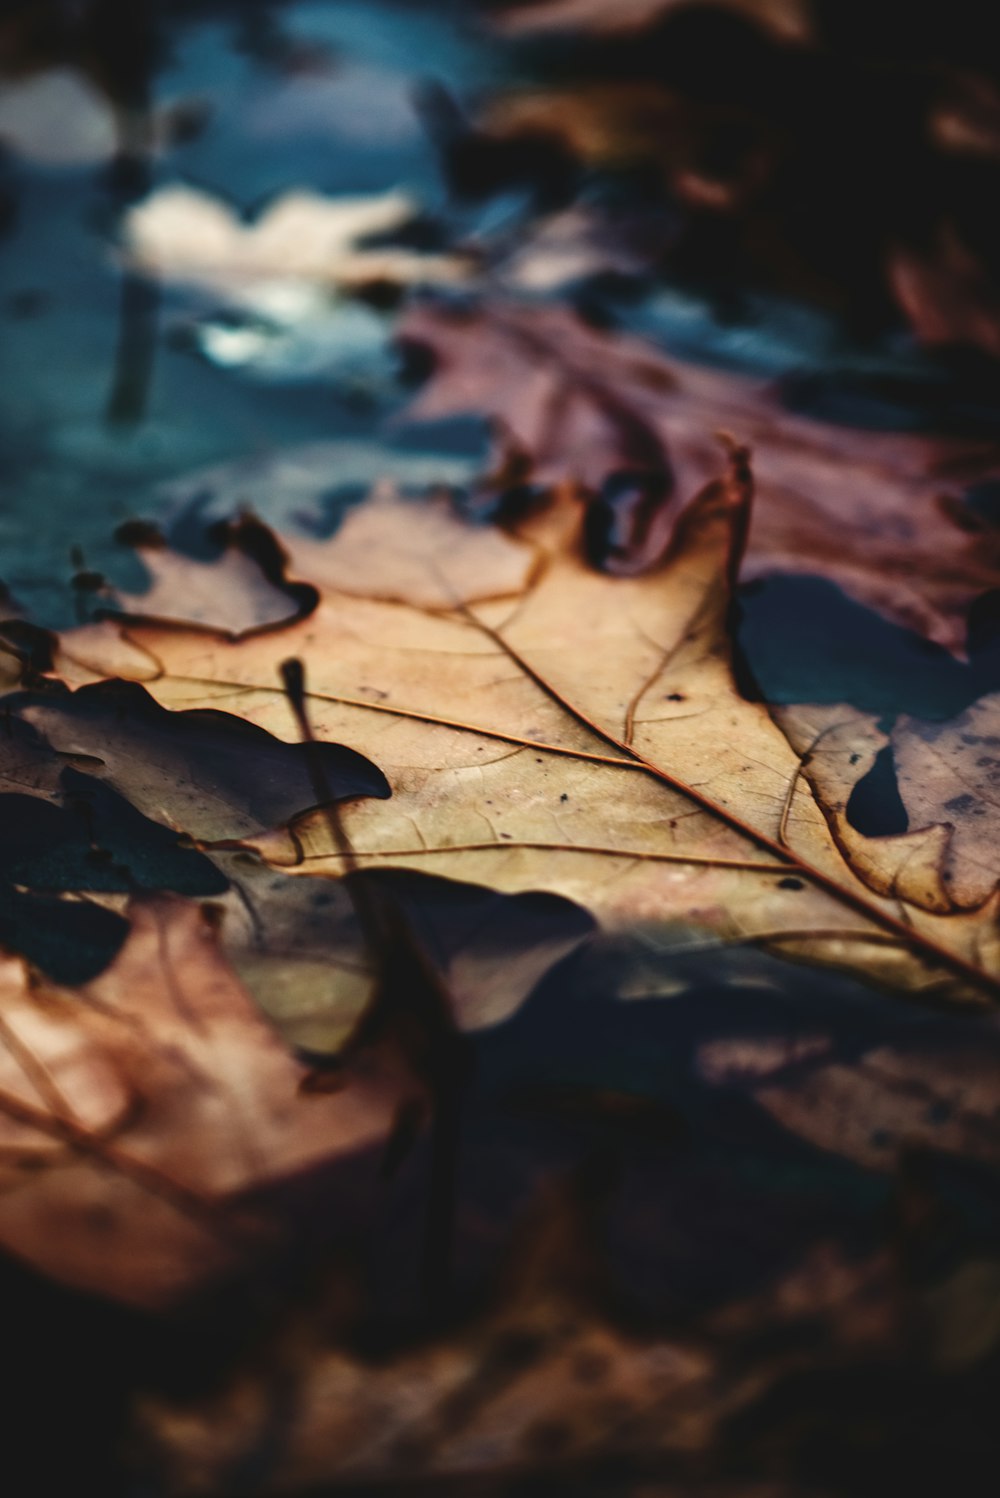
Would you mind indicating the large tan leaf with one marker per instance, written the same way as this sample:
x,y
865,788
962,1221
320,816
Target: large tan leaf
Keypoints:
x,y
582,735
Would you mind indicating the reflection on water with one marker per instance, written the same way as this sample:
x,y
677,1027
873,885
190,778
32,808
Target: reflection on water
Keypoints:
x,y
101,396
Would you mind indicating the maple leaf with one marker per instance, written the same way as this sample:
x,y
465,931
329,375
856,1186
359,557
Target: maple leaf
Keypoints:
x,y
608,756
879,514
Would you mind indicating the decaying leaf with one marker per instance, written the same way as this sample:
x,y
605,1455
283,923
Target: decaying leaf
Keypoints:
x,y
578,733
135,1115
876,513
872,1106
545,1387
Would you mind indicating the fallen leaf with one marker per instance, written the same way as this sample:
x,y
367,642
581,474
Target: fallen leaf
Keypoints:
x,y
210,774
543,1385
944,776
873,1106
135,1115
877,513
582,734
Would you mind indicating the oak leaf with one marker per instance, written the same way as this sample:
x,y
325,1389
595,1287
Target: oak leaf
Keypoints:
x,y
210,774
137,1113
879,514
544,726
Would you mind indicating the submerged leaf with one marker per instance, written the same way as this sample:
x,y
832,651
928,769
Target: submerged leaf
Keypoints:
x,y
189,236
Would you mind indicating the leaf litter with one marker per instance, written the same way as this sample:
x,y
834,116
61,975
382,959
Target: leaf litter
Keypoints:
x,y
398,1024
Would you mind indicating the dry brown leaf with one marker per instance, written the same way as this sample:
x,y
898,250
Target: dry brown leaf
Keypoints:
x,y
875,513
136,1113
583,735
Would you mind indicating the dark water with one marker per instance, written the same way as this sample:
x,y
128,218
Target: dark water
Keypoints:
x,y
78,455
